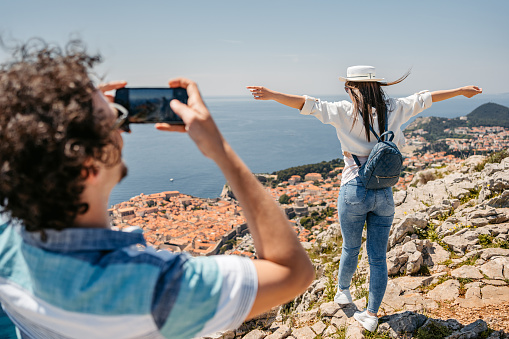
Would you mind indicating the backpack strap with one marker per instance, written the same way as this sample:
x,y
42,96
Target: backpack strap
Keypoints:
x,y
379,138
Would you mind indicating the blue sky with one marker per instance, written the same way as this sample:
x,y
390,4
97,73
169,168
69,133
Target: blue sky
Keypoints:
x,y
294,46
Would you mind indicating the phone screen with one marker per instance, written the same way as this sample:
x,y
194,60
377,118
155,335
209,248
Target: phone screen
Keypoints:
x,y
151,105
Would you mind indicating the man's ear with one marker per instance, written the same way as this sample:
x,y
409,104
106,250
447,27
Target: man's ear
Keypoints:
x,y
90,170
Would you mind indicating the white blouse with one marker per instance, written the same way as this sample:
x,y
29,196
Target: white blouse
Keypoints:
x,y
353,140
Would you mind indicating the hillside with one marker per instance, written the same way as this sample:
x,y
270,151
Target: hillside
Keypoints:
x,y
489,114
448,266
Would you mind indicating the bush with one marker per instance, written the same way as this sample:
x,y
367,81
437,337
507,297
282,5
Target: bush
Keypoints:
x,y
494,158
426,176
433,331
284,199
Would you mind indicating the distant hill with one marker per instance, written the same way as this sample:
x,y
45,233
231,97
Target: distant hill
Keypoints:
x,y
489,114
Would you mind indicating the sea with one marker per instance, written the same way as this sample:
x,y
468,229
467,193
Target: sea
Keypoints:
x,y
267,136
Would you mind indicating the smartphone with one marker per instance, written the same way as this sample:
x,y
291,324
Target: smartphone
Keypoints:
x,y
150,105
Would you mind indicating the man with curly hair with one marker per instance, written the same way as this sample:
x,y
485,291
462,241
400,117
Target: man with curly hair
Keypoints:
x,y
63,272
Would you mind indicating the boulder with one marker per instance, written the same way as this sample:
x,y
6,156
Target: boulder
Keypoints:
x,y
282,332
399,197
255,334
448,290
414,263
460,241
406,226
495,295
493,269
501,201
355,330
329,309
436,254
303,333
404,323
319,327
411,283
470,331
467,272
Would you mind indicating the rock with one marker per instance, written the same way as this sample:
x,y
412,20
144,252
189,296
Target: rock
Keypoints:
x,y
355,331
461,240
414,263
330,332
470,331
331,234
436,254
412,283
329,309
448,290
458,192
399,197
486,254
306,317
340,322
319,327
473,296
466,272
447,228
392,300
255,334
493,295
396,258
406,226
493,269
499,201
417,303
404,323
304,333
282,332
474,160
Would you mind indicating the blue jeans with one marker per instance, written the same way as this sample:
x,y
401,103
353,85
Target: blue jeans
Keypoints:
x,y
375,207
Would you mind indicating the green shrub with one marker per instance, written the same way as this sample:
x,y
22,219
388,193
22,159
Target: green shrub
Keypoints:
x,y
494,158
284,199
433,331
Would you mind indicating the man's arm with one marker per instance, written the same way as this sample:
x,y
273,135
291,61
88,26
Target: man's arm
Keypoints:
x,y
284,269
468,91
290,100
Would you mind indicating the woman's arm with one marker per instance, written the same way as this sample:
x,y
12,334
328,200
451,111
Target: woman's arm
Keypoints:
x,y
468,91
262,93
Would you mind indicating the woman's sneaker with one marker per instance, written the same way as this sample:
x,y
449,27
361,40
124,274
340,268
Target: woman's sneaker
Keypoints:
x,y
343,297
369,322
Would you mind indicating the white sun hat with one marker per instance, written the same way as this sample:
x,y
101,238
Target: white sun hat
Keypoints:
x,y
361,73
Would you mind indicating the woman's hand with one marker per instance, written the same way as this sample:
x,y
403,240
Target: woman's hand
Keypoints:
x,y
261,93
470,91
290,100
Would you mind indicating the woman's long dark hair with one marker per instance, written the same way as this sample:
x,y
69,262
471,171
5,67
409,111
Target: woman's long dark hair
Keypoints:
x,y
369,95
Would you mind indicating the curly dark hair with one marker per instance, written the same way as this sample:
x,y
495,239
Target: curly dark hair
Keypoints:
x,y
48,129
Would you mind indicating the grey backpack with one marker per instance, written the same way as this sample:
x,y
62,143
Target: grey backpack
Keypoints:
x,y
383,167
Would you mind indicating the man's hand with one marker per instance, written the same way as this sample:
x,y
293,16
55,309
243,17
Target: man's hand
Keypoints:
x,y
198,122
110,86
